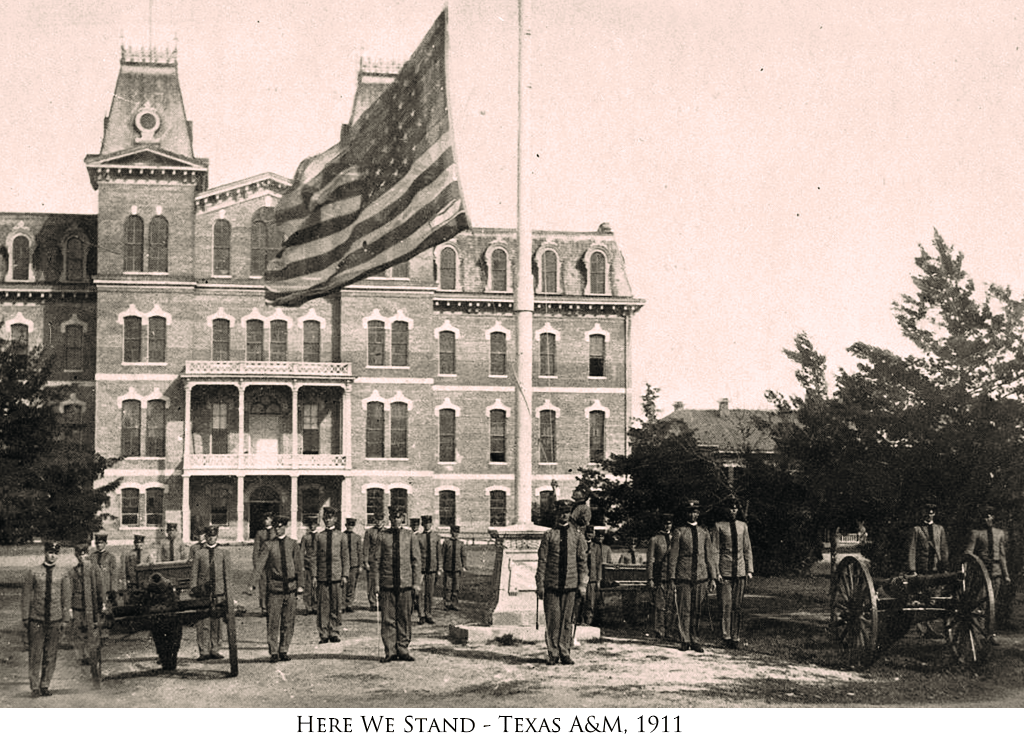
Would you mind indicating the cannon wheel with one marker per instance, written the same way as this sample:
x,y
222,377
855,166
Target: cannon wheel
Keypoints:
x,y
972,619
854,620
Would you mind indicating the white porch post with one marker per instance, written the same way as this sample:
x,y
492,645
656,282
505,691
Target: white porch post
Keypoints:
x,y
240,507
186,510
293,508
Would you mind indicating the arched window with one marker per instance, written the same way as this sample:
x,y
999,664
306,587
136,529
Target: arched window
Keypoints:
x,y
446,435
549,272
446,508
375,336
597,353
498,508
374,504
156,431
279,341
131,428
499,355
400,499
157,244
133,231
74,260
598,273
499,270
221,339
157,339
375,429
254,341
448,266
596,436
154,507
548,360
399,344
222,248
310,341
130,507
498,433
260,247
132,338
446,353
548,451
74,348
399,430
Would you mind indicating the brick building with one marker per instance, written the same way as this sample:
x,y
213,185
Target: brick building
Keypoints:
x,y
222,408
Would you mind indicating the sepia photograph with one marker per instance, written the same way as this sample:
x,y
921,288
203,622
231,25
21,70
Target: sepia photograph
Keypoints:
x,y
487,367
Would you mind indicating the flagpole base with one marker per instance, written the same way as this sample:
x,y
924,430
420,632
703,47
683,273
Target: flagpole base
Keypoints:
x,y
513,583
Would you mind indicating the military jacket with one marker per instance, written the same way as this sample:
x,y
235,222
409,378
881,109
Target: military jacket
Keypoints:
x,y
85,576
926,555
430,551
209,565
331,556
284,569
735,557
692,556
657,557
994,558
560,570
453,555
33,595
353,543
398,566
108,565
173,549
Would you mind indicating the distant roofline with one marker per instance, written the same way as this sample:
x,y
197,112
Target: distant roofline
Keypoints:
x,y
149,55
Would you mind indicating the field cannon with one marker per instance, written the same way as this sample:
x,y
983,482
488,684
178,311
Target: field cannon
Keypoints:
x,y
867,618
158,605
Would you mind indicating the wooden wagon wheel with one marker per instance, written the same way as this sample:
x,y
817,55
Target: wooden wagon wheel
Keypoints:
x,y
973,613
854,620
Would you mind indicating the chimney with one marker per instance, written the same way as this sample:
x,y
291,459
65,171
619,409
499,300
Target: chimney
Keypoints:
x,y
604,228
677,406
723,407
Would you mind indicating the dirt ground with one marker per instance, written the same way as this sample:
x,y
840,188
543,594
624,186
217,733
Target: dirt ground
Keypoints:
x,y
622,670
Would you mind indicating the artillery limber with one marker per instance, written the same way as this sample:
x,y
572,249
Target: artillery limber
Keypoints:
x,y
159,604
867,618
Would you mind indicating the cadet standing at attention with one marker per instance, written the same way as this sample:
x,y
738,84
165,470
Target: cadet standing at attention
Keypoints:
x,y
45,608
928,554
280,563
354,549
308,547
135,558
107,564
171,547
561,580
259,541
332,571
454,559
430,565
210,565
396,562
735,566
370,539
989,544
88,604
692,563
657,574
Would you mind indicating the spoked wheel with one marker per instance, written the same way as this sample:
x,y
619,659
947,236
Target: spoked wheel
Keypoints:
x,y
854,621
973,615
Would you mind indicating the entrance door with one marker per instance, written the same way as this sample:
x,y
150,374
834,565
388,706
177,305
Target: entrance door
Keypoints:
x,y
263,502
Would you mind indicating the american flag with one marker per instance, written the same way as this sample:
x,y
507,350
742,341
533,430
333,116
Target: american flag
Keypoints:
x,y
383,194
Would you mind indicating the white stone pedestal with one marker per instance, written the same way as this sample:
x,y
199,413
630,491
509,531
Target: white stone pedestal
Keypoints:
x,y
514,583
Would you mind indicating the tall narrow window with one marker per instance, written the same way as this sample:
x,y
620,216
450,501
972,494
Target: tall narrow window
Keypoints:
x,y
133,231
310,429
131,424
254,340
259,248
222,248
74,424
596,355
446,353
499,270
549,272
400,499
596,436
499,346
219,428
446,435
498,509
20,259
598,272
448,268
221,340
399,430
498,423
219,496
375,429
278,341
74,261
130,507
548,366
547,437
74,348
375,336
157,339
156,429
157,260
19,339
310,341
446,508
154,507
374,504
132,338
399,344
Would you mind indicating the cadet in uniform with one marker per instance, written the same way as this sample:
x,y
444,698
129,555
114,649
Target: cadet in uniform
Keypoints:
x,y
657,574
989,544
45,608
135,558
580,514
210,566
88,603
308,547
107,565
929,553
280,563
332,571
354,549
632,557
171,547
430,565
598,555
454,560
396,562
257,546
370,540
561,579
735,566
692,562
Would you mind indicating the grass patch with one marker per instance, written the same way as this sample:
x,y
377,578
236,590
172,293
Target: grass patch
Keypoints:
x,y
507,640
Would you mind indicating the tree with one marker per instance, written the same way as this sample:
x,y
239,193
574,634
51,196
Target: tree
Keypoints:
x,y
46,480
942,424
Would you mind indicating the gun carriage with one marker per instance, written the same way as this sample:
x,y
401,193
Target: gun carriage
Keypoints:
x,y
868,618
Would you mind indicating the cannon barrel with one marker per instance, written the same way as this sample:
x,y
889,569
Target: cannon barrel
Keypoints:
x,y
907,585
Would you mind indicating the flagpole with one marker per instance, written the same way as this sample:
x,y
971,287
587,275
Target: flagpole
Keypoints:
x,y
523,306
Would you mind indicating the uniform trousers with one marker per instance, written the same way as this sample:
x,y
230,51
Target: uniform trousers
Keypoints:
x,y
208,634
261,588
84,647
559,614
427,596
663,611
43,642
689,601
730,601
328,608
280,621
372,589
350,588
452,580
396,620
309,597
588,607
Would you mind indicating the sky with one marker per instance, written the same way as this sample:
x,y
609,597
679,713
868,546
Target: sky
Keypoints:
x,y
767,168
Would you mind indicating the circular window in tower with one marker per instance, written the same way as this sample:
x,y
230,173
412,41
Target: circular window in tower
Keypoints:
x,y
147,121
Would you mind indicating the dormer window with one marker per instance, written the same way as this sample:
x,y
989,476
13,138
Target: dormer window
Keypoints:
x,y
447,268
133,231
74,259
21,259
548,265
596,263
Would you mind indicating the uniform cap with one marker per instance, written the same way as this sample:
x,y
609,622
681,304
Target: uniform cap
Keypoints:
x,y
280,520
564,505
988,509
81,548
139,539
351,522
51,547
589,531
100,537
330,511
396,511
455,529
931,505
426,519
211,529
692,504
172,524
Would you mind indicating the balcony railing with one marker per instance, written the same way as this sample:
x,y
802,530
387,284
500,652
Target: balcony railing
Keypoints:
x,y
264,462
238,368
